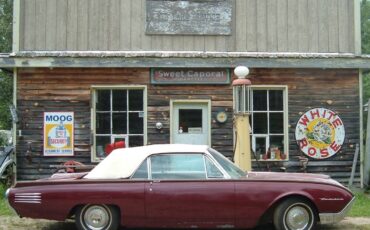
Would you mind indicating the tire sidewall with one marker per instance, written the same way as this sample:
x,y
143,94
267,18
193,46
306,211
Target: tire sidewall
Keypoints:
x,y
282,210
113,222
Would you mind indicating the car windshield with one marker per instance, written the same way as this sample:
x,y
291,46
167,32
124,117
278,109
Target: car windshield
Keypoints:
x,y
229,167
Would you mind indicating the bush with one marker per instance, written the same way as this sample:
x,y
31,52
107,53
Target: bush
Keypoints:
x,y
4,137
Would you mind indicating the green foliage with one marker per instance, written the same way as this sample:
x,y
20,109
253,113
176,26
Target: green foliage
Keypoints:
x,y
365,26
365,37
6,80
4,209
6,93
361,207
3,139
6,26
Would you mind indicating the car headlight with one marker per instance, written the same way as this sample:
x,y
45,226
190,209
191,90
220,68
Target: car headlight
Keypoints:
x,y
7,194
7,201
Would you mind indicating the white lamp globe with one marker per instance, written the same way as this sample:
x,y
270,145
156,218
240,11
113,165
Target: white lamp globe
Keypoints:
x,y
241,71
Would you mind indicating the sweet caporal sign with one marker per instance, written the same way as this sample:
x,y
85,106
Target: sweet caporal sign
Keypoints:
x,y
320,133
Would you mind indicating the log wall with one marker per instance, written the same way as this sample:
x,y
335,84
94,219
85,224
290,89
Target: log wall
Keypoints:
x,y
40,90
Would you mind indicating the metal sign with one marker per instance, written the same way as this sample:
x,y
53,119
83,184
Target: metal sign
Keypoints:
x,y
189,17
58,133
320,133
176,76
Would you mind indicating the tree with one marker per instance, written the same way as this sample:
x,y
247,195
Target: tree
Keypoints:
x,y
365,26
6,79
365,37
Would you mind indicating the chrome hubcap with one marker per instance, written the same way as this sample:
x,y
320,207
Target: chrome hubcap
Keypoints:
x,y
96,217
297,218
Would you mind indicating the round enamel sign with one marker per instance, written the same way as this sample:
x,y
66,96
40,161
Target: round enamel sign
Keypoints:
x,y
320,133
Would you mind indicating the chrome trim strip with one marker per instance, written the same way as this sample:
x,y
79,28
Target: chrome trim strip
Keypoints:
x,y
29,198
28,202
28,194
332,218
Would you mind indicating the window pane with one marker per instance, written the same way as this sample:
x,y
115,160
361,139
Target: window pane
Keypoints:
x,y
103,123
212,170
260,145
276,123
277,141
260,123
119,100
119,123
141,172
277,147
136,141
190,118
276,100
103,100
136,100
136,123
260,100
178,166
101,142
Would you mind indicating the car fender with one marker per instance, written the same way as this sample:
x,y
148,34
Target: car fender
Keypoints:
x,y
289,194
5,166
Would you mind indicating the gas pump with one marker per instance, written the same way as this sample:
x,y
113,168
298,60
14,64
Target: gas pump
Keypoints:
x,y
241,96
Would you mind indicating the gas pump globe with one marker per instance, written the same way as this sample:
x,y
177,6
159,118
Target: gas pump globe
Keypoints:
x,y
242,109
241,89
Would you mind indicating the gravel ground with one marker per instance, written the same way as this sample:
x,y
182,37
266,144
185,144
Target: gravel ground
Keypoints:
x,y
15,223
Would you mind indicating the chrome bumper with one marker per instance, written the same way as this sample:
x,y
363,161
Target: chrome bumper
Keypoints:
x,y
332,218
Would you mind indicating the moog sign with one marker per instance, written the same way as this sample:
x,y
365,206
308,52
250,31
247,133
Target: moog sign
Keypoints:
x,y
58,133
61,118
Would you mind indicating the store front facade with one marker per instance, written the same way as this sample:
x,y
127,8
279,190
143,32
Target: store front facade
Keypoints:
x,y
137,81
112,105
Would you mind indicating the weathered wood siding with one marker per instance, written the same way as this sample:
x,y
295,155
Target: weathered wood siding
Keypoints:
x,y
257,26
337,90
41,90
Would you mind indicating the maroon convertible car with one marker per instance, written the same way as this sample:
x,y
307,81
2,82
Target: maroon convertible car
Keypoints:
x,y
181,186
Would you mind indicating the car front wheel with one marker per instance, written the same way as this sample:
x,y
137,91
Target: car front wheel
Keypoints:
x,y
97,217
295,214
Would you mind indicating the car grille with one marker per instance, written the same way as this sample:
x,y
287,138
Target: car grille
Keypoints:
x,y
29,198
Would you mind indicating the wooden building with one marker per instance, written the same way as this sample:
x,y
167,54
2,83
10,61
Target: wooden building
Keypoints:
x,y
121,69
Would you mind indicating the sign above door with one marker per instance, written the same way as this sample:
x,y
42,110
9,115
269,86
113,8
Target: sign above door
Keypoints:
x,y
177,76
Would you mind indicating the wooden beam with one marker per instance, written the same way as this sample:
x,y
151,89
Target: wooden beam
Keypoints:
x,y
361,62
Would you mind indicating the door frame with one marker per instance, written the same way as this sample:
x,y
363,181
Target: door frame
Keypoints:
x,y
204,102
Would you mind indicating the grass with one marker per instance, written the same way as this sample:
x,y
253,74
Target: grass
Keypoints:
x,y
361,207
4,209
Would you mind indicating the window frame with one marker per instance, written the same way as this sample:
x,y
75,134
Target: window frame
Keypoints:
x,y
93,91
268,135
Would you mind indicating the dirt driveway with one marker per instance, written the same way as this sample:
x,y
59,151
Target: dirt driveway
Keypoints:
x,y
15,223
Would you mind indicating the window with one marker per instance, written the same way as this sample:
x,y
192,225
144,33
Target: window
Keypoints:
x,y
119,115
142,171
269,135
190,120
212,170
178,166
233,171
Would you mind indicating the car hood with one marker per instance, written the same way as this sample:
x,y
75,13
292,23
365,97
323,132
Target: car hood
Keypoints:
x,y
292,177
283,175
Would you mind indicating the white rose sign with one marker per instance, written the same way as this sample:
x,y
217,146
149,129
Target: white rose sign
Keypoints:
x,y
320,133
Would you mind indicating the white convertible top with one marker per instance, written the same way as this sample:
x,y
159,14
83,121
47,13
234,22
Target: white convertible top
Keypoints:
x,y
122,163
